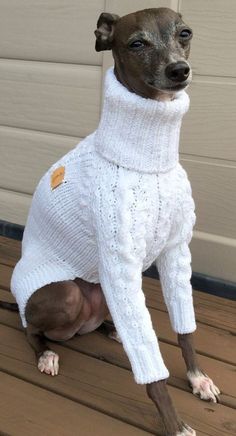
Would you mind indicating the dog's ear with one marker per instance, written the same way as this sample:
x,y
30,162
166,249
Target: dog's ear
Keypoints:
x,y
105,31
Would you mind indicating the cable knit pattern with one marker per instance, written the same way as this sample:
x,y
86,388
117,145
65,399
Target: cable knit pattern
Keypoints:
x,y
124,203
174,262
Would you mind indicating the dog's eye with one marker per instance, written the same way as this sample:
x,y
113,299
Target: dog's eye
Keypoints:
x,y
136,44
186,34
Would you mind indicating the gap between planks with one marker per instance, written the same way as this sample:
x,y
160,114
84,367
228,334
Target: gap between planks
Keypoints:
x,y
33,402
99,347
110,389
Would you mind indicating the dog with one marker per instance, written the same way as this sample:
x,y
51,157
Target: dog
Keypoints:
x,y
67,283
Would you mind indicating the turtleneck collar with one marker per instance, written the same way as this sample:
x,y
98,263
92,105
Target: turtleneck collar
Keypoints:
x,y
139,133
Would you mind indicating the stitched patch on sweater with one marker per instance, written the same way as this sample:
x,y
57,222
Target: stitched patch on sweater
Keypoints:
x,y
57,177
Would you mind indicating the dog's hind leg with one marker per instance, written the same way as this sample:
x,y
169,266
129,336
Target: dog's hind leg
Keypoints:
x,y
53,311
108,329
48,360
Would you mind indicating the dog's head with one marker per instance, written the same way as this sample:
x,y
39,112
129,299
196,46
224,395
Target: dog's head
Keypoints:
x,y
150,49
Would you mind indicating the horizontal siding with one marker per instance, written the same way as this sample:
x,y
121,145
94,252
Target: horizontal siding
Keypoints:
x,y
55,31
56,98
14,206
209,127
125,7
32,153
214,255
214,27
214,193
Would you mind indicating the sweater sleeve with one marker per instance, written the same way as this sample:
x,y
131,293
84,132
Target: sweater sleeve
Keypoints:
x,y
120,226
174,265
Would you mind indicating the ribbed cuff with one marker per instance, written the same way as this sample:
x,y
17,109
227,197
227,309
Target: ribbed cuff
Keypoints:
x,y
182,316
147,363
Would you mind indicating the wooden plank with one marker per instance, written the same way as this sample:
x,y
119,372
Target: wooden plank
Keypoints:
x,y
102,348
14,207
205,335
50,97
108,388
214,27
5,276
209,341
208,130
30,410
32,153
10,251
98,346
102,386
58,31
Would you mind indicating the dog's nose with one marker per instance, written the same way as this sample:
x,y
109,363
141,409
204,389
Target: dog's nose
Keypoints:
x,y
178,71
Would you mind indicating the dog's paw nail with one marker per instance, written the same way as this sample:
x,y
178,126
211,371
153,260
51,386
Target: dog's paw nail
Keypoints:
x,y
187,431
49,363
114,336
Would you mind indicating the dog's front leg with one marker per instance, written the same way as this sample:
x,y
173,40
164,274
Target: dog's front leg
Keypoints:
x,y
121,252
173,425
201,384
174,266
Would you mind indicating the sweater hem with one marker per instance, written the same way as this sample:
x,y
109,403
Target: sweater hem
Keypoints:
x,y
182,316
147,363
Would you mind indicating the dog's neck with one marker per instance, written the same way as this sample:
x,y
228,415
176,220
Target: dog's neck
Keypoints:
x,y
139,133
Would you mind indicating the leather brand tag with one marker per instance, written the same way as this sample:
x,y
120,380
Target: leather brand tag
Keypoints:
x,y
57,177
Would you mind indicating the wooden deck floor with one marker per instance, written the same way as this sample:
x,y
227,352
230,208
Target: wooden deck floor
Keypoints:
x,y
95,394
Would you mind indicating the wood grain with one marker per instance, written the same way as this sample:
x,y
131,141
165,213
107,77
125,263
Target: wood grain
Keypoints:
x,y
25,408
102,348
108,388
5,276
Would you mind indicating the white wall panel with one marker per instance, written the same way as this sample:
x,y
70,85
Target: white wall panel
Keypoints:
x,y
214,26
31,154
14,206
209,127
56,98
54,30
128,6
214,191
214,255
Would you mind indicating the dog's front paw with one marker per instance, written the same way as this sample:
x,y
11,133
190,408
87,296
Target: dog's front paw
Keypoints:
x,y
203,386
49,363
186,431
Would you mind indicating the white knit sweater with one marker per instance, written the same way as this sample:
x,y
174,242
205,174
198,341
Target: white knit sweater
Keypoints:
x,y
124,203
